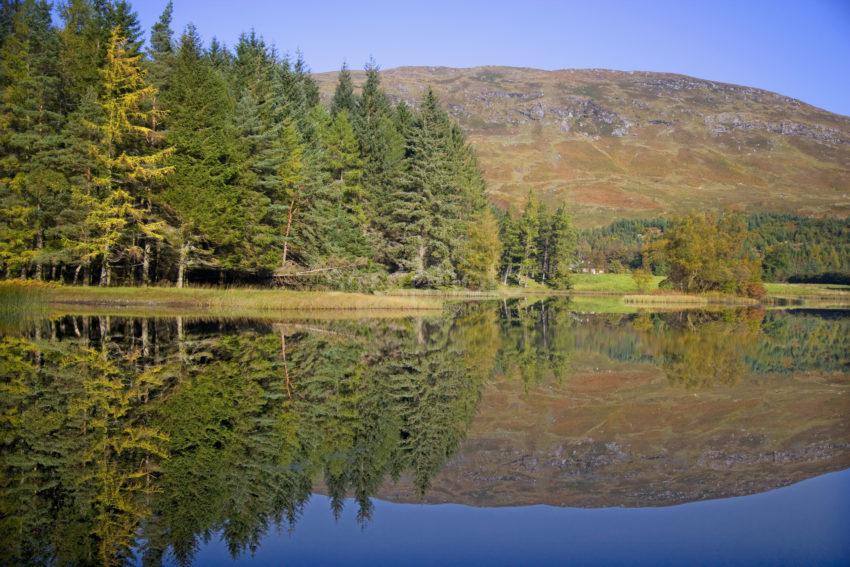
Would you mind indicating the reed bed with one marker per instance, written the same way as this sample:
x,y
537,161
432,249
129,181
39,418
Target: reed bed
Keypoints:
x,y
211,299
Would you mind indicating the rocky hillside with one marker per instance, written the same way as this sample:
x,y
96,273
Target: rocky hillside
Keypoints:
x,y
622,435
634,144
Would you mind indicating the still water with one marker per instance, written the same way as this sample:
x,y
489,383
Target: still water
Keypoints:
x,y
524,432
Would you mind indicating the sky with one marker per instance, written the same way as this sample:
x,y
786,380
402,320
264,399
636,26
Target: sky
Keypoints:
x,y
799,49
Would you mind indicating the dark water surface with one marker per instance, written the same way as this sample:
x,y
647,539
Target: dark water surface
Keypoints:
x,y
524,432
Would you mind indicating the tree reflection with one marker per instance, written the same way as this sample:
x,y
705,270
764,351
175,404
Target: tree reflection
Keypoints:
x,y
699,349
123,435
130,438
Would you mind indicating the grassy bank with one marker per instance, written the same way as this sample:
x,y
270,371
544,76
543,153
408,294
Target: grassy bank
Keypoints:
x,y
808,291
18,295
610,283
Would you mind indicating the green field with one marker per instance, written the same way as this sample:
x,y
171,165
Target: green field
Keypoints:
x,y
824,291
609,283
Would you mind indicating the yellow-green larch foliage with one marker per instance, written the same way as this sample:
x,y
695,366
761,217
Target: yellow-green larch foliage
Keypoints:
x,y
479,259
127,158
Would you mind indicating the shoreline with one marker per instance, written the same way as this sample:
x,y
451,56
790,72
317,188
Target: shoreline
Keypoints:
x,y
262,303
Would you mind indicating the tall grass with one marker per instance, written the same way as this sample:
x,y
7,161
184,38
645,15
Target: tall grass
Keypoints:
x,y
215,299
21,301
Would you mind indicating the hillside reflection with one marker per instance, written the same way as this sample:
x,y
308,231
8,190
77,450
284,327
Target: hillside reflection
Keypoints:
x,y
127,436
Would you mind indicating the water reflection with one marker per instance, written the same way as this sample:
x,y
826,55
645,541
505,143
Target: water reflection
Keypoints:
x,y
125,436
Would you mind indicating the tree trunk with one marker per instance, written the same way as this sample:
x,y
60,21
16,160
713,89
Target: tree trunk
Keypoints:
x,y
286,378
289,216
420,256
181,340
181,265
545,262
146,348
105,275
77,273
146,263
39,245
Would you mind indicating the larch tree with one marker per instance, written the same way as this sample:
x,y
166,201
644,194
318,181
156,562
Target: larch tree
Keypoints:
x,y
128,161
479,256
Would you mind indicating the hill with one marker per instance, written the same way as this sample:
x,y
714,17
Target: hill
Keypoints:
x,y
637,144
622,435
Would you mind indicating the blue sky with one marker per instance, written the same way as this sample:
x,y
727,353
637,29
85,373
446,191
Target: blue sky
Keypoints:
x,y
800,49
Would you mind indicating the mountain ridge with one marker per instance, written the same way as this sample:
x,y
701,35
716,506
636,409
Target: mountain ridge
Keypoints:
x,y
637,144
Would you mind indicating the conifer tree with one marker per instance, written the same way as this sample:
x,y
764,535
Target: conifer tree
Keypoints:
x,y
83,44
344,98
427,206
161,52
561,257
343,162
209,208
128,163
528,231
480,252
34,192
382,148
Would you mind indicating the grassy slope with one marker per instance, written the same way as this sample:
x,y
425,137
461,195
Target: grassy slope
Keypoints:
x,y
609,283
624,284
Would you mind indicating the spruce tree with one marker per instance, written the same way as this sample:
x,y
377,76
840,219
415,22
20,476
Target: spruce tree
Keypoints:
x,y
344,98
161,51
8,9
382,148
83,38
34,192
209,206
425,222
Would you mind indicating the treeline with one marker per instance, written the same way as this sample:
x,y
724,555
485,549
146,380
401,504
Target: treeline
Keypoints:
x,y
186,160
790,247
